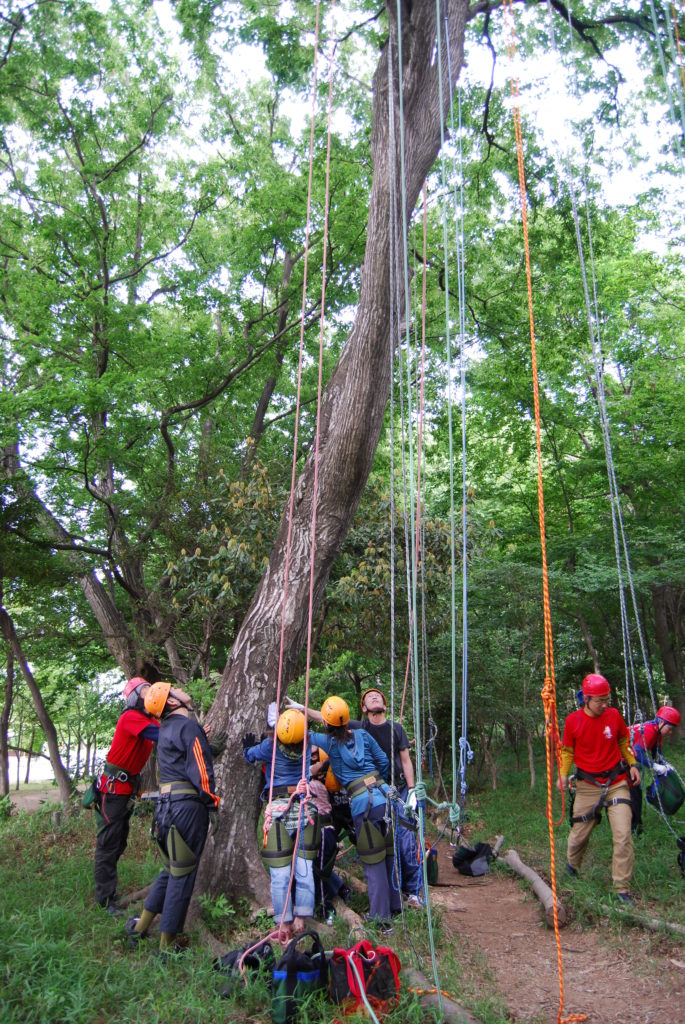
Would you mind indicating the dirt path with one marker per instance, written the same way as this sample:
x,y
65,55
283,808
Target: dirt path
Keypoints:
x,y
497,931
31,799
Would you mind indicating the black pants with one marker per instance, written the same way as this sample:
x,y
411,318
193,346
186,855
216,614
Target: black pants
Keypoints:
x,y
113,816
170,895
636,808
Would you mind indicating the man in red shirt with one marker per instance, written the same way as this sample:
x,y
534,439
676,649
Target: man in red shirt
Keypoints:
x,y
597,739
134,736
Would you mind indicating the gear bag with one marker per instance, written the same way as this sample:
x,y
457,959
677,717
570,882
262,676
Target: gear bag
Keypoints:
x,y
260,958
473,861
365,969
667,792
296,976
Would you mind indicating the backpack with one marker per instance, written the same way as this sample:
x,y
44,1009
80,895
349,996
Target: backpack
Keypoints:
x,y
296,975
473,861
363,969
262,956
667,789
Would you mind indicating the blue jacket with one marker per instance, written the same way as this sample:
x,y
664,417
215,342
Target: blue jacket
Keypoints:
x,y
358,756
287,770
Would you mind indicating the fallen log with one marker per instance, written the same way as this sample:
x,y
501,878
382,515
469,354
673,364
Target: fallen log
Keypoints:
x,y
540,888
452,1013
134,897
652,924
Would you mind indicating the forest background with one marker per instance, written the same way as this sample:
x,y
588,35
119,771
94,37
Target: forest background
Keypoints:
x,y
154,169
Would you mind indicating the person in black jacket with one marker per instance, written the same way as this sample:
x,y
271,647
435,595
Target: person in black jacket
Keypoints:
x,y
186,800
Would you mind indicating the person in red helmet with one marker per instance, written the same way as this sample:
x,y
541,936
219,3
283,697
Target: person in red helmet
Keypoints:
x,y
134,736
646,739
597,739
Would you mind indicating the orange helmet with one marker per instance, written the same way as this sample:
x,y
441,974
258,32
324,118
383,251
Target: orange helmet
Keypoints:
x,y
335,711
290,726
373,689
331,783
156,698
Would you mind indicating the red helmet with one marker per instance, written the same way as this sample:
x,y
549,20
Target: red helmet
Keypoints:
x,y
669,715
595,685
133,684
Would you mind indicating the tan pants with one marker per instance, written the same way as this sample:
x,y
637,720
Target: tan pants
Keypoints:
x,y
619,816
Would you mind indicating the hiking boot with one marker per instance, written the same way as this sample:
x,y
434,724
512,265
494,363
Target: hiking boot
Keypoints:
x,y
132,936
111,907
176,949
571,870
345,893
626,898
415,902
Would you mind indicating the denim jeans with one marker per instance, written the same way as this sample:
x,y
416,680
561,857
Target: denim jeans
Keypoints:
x,y
406,845
303,885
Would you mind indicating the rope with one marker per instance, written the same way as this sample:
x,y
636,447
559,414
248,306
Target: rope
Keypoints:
x,y
552,740
304,796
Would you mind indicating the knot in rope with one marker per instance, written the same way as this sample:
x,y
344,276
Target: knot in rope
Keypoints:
x,y
465,749
421,792
455,816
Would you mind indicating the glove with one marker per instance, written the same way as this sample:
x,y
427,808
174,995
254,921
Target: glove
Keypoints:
x,y
249,740
289,703
411,803
660,769
217,744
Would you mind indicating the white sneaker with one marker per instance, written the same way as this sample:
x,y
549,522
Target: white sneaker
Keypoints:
x,y
414,901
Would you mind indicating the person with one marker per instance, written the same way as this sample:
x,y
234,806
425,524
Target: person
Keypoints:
x,y
287,819
597,739
361,766
186,799
134,736
646,740
394,742
328,884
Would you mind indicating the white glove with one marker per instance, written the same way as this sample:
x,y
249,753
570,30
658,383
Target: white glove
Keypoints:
x,y
289,703
660,769
411,803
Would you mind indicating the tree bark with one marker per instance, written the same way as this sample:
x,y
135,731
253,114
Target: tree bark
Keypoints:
x,y
352,411
4,725
48,726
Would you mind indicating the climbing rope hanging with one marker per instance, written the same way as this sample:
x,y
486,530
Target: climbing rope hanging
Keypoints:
x,y
305,796
552,739
625,575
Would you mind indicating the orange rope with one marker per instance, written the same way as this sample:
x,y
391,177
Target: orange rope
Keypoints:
x,y
552,741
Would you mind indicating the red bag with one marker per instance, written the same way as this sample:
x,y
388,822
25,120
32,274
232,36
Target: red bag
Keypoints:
x,y
369,970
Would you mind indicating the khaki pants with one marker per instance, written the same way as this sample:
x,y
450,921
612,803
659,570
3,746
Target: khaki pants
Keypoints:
x,y
619,816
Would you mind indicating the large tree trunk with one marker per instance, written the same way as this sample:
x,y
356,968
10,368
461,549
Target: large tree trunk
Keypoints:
x,y
668,630
48,726
352,411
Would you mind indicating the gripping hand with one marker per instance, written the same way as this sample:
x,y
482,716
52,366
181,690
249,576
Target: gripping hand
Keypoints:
x,y
249,740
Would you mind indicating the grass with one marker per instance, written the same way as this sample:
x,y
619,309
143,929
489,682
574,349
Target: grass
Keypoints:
x,y
64,961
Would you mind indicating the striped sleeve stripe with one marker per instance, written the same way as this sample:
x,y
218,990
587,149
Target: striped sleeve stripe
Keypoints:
x,y
200,761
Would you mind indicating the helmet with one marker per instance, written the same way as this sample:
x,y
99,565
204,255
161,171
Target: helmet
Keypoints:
x,y
335,711
156,698
669,715
331,783
133,684
290,728
373,689
595,685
